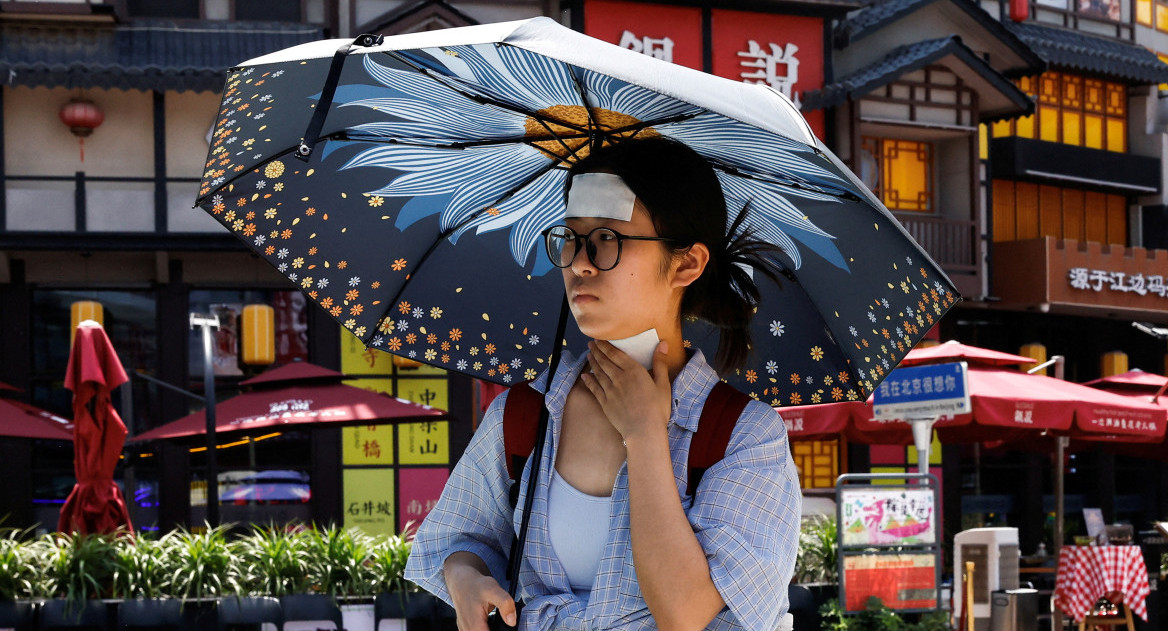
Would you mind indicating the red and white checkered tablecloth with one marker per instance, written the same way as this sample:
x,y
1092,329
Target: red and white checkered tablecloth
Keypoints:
x,y
1086,573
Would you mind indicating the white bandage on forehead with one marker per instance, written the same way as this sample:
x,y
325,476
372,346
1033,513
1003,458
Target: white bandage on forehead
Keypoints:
x,y
602,195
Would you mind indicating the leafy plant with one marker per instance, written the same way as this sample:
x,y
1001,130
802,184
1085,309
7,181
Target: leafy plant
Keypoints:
x,y
818,549
336,561
143,568
203,563
80,567
274,561
878,617
18,566
387,564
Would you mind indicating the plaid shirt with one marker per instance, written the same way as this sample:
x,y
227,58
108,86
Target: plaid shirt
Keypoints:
x,y
746,517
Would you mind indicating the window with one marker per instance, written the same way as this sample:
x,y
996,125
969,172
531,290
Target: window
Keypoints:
x,y
1023,210
817,462
899,172
291,334
1153,14
1072,110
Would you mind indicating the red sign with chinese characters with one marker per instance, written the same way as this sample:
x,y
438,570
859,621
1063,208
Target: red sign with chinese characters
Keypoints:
x,y
666,32
419,490
783,51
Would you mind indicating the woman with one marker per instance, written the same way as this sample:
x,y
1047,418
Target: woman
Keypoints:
x,y
614,541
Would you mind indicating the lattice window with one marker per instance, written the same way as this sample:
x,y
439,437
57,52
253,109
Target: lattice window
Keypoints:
x,y
817,462
1153,14
903,177
1072,110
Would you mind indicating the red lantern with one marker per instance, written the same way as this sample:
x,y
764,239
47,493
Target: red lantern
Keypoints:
x,y
1019,10
82,117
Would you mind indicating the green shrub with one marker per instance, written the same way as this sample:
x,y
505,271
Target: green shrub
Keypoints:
x,y
274,561
878,617
818,546
204,564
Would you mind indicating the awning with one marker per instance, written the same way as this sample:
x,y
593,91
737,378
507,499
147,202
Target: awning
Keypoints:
x,y
142,55
998,96
1092,54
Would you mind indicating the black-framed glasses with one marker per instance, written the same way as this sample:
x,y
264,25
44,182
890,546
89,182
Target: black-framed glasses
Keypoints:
x,y
602,244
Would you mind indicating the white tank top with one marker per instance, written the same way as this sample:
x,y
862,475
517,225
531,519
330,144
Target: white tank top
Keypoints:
x,y
578,530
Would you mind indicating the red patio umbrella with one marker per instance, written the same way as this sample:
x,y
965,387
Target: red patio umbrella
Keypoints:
x,y
95,504
296,394
21,420
1141,386
1007,404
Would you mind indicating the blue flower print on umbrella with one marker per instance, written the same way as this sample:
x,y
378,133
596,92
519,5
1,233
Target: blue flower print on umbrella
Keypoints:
x,y
413,212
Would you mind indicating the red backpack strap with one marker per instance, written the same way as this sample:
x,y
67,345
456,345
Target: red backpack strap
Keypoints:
x,y
719,415
520,418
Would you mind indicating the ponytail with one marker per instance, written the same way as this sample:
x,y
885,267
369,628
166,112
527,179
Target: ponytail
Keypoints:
x,y
726,295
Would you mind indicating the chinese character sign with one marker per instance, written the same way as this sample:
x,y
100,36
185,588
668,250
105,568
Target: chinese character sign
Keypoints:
x,y
367,445
420,489
782,51
887,517
368,500
431,392
424,443
665,32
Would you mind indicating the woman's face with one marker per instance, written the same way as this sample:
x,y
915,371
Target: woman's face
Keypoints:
x,y
636,295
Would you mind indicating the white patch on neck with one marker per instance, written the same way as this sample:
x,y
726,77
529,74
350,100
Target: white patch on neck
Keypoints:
x,y
640,347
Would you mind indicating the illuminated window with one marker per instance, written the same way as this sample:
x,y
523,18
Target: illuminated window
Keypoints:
x,y
899,172
817,462
1152,13
1072,110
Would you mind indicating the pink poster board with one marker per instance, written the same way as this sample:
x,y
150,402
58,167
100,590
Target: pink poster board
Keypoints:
x,y
418,492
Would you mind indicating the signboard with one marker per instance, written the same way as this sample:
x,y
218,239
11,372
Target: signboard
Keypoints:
x,y
901,581
666,32
368,500
424,443
889,540
918,392
367,445
782,51
890,516
420,489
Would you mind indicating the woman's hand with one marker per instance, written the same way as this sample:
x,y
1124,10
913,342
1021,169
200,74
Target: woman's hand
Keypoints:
x,y
635,401
475,592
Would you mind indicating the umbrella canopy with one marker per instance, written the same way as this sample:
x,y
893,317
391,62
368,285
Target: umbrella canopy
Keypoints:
x,y
296,395
21,420
96,503
432,162
1140,386
1008,404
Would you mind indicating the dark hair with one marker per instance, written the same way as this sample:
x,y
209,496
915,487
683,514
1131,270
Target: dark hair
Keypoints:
x,y
685,201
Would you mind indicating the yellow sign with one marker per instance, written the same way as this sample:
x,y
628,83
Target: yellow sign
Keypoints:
x,y
358,360
367,444
369,500
431,392
424,443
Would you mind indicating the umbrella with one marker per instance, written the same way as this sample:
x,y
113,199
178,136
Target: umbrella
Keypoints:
x,y
299,394
1007,405
432,161
95,505
21,420
1141,386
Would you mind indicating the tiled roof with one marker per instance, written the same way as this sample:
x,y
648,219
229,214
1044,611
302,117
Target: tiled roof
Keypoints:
x,y
1092,54
883,12
142,55
905,59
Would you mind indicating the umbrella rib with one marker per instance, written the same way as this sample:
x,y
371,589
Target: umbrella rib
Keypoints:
x,y
581,92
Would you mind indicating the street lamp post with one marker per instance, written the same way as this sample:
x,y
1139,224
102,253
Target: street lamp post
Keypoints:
x,y
209,323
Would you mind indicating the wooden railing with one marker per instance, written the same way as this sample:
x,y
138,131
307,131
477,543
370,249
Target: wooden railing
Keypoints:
x,y
954,245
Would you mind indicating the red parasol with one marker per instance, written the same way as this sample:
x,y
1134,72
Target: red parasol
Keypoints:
x,y
1140,386
21,420
297,394
95,504
1007,405
1010,405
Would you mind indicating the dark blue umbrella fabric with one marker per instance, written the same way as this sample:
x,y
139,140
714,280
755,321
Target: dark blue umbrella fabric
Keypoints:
x,y
412,214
